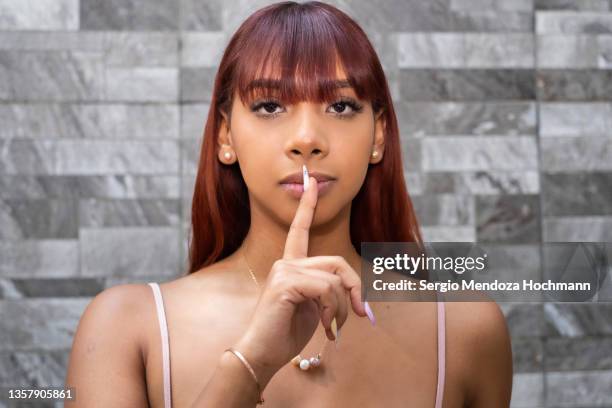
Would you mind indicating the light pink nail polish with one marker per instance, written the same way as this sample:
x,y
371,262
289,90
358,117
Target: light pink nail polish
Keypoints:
x,y
368,310
306,177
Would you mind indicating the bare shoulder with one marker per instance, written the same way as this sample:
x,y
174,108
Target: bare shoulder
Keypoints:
x,y
121,307
481,339
107,348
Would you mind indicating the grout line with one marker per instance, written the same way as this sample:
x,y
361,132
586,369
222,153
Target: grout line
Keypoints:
x,y
540,201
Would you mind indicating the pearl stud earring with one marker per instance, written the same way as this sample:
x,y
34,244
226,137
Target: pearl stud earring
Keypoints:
x,y
374,154
227,155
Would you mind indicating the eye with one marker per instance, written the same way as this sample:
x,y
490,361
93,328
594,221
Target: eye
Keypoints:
x,y
341,107
269,108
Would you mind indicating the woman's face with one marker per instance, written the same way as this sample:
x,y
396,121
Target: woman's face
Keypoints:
x,y
272,140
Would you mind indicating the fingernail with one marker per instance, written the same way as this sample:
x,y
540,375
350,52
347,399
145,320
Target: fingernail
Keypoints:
x,y
306,177
368,310
334,329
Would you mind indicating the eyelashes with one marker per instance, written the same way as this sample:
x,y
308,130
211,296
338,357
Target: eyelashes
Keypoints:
x,y
340,105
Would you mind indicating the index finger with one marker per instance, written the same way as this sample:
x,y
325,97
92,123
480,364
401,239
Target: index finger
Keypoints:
x,y
296,245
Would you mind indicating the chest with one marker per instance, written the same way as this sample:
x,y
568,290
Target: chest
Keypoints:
x,y
372,367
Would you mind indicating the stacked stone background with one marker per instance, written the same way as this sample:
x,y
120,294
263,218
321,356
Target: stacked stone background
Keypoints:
x,y
506,123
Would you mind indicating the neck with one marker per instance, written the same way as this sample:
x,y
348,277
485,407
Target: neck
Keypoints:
x,y
265,242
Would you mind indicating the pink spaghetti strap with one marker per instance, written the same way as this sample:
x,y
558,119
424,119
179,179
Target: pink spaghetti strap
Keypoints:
x,y
163,328
441,351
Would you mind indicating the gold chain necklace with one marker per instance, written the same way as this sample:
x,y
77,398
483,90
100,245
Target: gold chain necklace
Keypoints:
x,y
304,364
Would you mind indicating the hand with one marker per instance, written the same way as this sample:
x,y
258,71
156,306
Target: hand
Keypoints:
x,y
299,291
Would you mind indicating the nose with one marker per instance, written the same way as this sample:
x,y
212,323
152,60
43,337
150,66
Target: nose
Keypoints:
x,y
307,137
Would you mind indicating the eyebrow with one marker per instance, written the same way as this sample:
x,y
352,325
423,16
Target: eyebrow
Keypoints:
x,y
275,84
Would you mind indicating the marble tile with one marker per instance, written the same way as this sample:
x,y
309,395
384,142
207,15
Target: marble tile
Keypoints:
x,y
54,287
466,50
188,185
417,119
43,324
202,49
38,219
128,213
201,15
193,120
414,183
572,354
527,355
39,15
47,40
572,154
491,20
133,251
197,84
112,186
109,157
590,194
578,319
575,119
51,76
444,209
418,16
567,51
235,12
524,319
481,182
411,154
190,155
527,390
604,56
27,157
39,258
597,5
570,22
513,218
511,263
33,368
120,280
589,85
386,46
577,229
83,121
448,233
467,84
579,388
141,49
142,84
525,5
479,153
129,14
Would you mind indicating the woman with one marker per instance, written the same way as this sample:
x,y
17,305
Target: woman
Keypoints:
x,y
299,87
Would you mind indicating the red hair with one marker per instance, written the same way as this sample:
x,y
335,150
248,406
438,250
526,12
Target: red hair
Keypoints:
x,y
304,41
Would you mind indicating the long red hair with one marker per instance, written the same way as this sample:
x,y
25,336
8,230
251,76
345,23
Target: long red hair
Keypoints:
x,y
305,41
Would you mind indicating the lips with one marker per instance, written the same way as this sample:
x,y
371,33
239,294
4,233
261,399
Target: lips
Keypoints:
x,y
297,178
297,189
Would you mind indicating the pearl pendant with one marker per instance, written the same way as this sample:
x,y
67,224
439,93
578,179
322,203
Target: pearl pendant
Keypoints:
x,y
305,364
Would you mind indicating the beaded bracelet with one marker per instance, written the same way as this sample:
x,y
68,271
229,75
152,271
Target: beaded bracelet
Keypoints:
x,y
248,366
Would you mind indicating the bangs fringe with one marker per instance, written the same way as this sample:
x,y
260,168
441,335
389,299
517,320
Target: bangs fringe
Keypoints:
x,y
299,58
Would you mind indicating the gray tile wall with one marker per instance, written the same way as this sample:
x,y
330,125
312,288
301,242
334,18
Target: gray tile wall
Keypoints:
x,y
505,109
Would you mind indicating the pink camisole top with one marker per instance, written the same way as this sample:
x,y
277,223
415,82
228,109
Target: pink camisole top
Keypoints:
x,y
163,328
